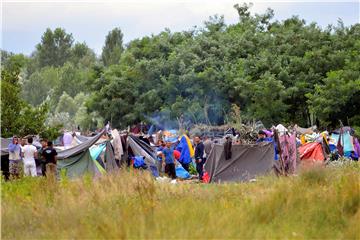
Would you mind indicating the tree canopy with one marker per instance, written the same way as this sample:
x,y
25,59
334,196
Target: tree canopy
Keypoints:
x,y
274,71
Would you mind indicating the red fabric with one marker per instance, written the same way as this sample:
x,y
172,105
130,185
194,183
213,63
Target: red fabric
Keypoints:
x,y
311,151
177,154
206,178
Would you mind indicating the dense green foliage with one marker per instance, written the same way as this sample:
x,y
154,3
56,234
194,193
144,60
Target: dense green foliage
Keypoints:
x,y
17,116
288,72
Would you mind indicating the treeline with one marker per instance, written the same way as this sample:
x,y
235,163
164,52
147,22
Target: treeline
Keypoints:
x,y
288,72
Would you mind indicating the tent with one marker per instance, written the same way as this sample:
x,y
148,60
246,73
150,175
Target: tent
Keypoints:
x,y
141,148
5,156
312,152
77,161
246,162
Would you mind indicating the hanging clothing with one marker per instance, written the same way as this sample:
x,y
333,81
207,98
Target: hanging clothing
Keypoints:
x,y
289,151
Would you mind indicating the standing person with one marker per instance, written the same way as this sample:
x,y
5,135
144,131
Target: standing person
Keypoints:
x,y
40,156
49,155
67,140
14,158
159,149
168,153
29,154
199,156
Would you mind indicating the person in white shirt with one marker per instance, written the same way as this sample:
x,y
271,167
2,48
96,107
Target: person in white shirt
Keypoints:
x,y
67,140
29,153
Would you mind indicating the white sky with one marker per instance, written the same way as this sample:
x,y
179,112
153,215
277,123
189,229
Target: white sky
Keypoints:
x,y
23,22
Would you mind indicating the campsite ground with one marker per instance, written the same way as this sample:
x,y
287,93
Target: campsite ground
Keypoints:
x,y
321,203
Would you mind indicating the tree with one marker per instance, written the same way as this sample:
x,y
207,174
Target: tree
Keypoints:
x,y
18,117
113,47
55,48
40,84
82,56
11,103
66,104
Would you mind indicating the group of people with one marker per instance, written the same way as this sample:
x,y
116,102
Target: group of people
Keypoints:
x,y
167,160
24,156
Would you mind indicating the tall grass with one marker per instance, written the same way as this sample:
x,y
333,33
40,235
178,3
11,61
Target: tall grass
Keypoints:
x,y
319,203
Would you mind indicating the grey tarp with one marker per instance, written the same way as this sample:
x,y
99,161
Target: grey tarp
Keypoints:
x,y
4,146
141,148
79,148
82,138
301,130
77,161
110,163
246,162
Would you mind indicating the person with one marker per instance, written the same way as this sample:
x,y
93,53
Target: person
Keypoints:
x,y
67,140
199,156
168,154
29,154
262,137
49,154
159,149
14,158
40,156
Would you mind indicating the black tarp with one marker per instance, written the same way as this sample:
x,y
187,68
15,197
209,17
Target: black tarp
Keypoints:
x,y
5,157
246,162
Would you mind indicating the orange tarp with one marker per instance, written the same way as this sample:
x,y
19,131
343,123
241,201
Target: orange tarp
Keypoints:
x,y
311,151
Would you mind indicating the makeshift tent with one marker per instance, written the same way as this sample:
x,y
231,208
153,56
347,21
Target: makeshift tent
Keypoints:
x,y
5,156
77,161
141,148
246,162
4,146
312,152
346,142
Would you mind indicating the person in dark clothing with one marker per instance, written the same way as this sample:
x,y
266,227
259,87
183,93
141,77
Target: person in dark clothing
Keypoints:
x,y
199,156
41,158
168,153
49,155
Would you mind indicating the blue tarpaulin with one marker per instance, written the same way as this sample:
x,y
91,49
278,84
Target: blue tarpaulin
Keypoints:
x,y
181,172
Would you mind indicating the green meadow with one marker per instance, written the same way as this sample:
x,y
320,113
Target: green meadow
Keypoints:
x,y
320,203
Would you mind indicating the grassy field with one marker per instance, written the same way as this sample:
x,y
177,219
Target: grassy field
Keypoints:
x,y
321,203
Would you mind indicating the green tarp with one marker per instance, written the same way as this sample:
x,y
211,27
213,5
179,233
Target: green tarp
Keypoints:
x,y
78,165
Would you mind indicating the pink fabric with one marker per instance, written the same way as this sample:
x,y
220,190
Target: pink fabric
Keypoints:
x,y
289,151
268,133
357,146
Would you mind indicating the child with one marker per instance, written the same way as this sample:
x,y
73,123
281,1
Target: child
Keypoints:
x,y
168,153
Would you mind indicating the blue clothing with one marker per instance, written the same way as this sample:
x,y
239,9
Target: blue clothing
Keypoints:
x,y
169,155
159,149
14,147
139,162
